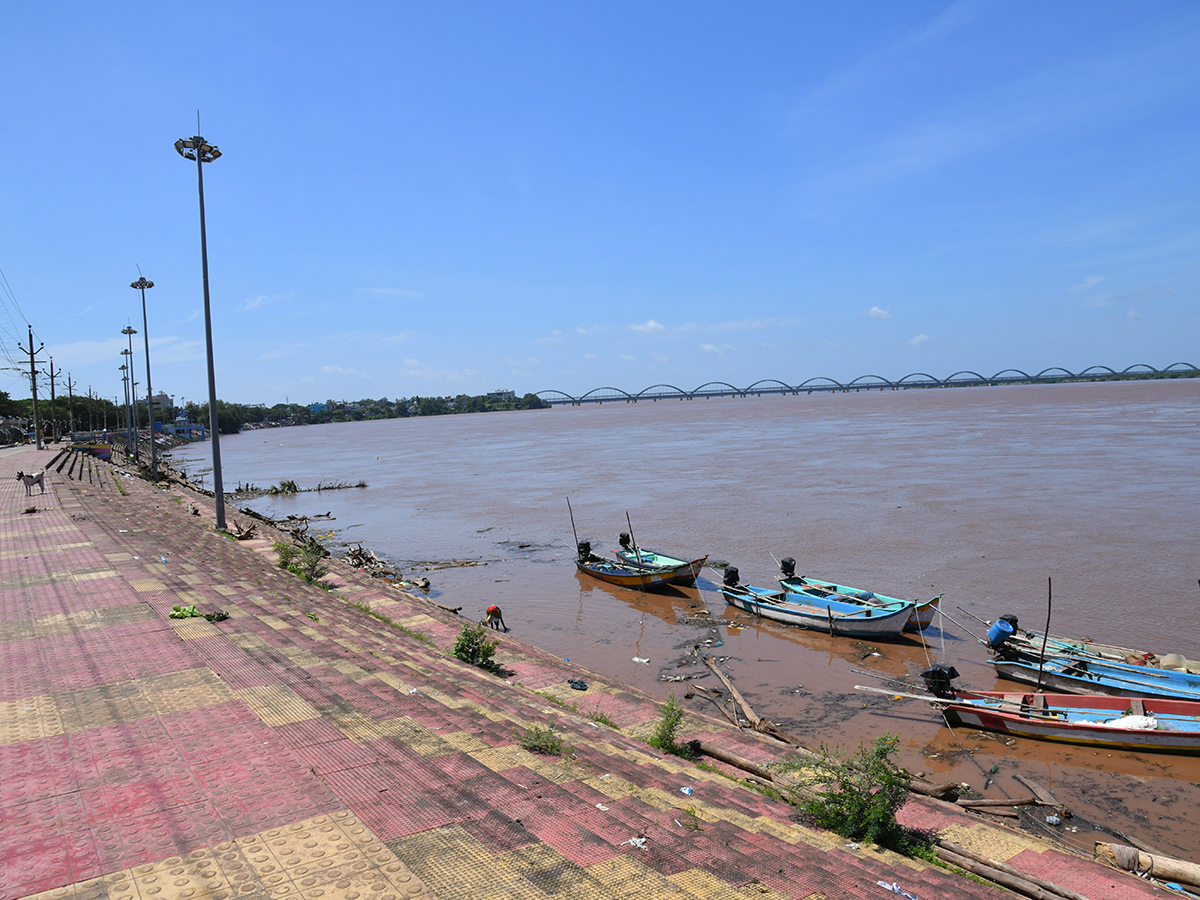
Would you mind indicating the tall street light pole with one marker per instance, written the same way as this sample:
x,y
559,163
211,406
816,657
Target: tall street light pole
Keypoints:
x,y
130,439
141,284
201,151
129,331
124,370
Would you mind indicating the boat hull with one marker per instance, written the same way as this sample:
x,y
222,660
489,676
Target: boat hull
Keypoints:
x,y
831,617
1072,719
1075,675
921,616
685,571
626,576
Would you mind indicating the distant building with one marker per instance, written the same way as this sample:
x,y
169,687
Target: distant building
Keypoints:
x,y
315,408
501,395
163,405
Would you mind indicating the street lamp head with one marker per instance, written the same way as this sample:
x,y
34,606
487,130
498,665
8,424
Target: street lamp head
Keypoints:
x,y
128,329
142,284
189,148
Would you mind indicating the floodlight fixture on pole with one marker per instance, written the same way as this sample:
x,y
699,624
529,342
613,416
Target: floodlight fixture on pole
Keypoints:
x,y
141,284
129,331
198,149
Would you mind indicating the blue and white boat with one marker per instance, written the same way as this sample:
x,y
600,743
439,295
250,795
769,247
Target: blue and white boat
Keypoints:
x,y
920,617
836,617
1079,675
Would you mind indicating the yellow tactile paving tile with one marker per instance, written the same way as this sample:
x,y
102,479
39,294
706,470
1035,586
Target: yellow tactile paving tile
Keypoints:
x,y
350,670
29,718
225,590
146,585
190,629
277,704
627,878
95,575
698,883
248,641
393,681
45,550
186,877
193,579
302,657
991,842
18,630
464,742
103,711
272,621
116,886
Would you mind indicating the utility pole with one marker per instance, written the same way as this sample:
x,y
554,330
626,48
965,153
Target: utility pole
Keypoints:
x,y
53,414
37,422
71,405
91,411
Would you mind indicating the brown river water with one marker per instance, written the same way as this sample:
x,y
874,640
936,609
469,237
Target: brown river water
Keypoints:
x,y
981,494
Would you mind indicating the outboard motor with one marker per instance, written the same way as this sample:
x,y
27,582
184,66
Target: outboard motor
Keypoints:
x,y
584,548
625,540
938,681
787,566
1003,628
732,577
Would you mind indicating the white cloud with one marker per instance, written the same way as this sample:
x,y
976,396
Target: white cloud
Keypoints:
x,y
625,357
918,340
660,357
876,312
1090,282
1134,314
337,370
649,327
590,356
260,300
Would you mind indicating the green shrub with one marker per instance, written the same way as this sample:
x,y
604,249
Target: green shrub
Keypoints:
x,y
857,795
306,560
473,647
542,739
666,728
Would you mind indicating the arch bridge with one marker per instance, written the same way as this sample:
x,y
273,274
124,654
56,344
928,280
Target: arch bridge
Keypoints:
x,y
820,383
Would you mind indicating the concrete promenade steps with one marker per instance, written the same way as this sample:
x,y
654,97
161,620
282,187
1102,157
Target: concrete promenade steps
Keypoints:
x,y
303,748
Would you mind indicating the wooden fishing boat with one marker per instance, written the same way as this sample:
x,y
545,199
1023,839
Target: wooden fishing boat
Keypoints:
x,y
620,574
921,613
1118,723
1078,675
1023,644
632,555
826,614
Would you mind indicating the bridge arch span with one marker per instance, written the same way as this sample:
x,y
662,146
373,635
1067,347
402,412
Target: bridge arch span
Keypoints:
x,y
975,376
1181,367
1003,375
1140,367
651,393
869,381
1045,373
813,384
1097,370
715,388
553,396
596,395
757,387
918,378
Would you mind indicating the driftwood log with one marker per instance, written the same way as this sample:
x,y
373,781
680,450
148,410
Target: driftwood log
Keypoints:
x,y
1164,868
1004,875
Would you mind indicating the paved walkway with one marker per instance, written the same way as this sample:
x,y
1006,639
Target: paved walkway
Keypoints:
x,y
304,748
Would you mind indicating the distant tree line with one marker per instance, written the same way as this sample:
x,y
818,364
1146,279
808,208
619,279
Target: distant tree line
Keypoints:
x,y
232,417
99,414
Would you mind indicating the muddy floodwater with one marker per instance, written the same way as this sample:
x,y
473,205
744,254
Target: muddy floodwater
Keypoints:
x,y
984,495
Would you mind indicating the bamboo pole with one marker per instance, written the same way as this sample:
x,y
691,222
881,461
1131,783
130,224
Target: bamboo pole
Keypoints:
x,y
1164,868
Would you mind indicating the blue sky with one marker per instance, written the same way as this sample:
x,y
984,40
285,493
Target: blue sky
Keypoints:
x,y
452,198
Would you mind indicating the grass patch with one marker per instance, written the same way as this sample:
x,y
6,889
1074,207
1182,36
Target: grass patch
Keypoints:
x,y
117,482
691,819
473,647
542,739
856,795
601,719
386,620
306,560
666,729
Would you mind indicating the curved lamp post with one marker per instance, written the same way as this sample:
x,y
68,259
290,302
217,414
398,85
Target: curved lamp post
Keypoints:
x,y
141,284
198,149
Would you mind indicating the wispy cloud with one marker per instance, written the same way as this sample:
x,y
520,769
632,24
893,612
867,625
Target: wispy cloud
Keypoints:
x,y
1090,282
195,314
876,312
649,327
1134,314
394,292
338,370
260,300
747,325
714,350
919,340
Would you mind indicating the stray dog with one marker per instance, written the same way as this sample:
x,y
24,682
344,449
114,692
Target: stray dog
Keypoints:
x,y
494,618
38,478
